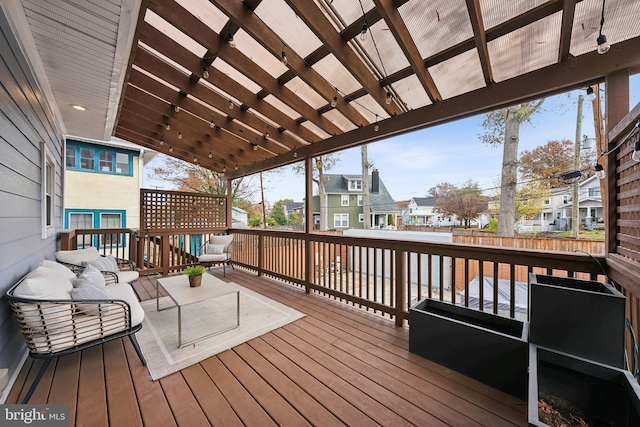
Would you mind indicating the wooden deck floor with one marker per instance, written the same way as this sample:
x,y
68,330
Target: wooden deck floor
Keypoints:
x,y
337,366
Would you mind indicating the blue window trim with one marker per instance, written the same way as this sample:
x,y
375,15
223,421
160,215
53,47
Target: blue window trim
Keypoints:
x,y
96,221
77,145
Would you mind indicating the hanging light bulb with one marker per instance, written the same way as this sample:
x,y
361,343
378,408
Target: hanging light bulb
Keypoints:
x,y
205,72
224,169
195,159
266,135
211,124
603,44
363,32
167,126
284,59
232,43
170,149
162,141
210,154
176,108
236,166
230,105
255,147
388,98
334,102
376,127
591,95
600,173
636,151
179,135
295,152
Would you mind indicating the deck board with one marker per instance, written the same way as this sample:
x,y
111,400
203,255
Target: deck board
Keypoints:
x,y
339,365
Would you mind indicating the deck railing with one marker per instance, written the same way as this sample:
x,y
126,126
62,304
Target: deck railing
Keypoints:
x,y
389,275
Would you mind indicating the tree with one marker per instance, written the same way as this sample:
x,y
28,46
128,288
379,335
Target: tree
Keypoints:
x,y
529,201
464,202
186,176
294,219
278,212
321,164
546,162
503,127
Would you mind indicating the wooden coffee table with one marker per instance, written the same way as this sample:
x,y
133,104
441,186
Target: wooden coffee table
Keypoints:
x,y
178,289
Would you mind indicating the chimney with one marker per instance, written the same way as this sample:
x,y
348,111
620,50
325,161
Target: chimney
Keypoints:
x,y
375,181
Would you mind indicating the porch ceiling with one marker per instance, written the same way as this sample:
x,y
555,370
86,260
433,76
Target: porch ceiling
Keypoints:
x,y
437,61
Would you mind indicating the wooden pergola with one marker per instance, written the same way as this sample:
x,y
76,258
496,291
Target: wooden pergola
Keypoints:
x,y
208,81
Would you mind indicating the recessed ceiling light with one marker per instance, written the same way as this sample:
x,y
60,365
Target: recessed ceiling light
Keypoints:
x,y
79,107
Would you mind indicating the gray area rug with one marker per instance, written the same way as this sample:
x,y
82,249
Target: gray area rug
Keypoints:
x,y
158,337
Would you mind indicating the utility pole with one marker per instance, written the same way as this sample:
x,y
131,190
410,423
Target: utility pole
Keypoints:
x,y
575,206
264,209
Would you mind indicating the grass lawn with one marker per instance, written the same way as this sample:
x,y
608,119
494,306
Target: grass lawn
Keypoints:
x,y
583,234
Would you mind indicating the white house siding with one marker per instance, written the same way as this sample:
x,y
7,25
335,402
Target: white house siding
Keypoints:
x,y
26,124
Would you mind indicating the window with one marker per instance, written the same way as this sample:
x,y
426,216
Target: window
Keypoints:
x,y
360,217
565,199
48,182
355,185
340,220
344,200
360,203
93,219
594,192
547,201
91,158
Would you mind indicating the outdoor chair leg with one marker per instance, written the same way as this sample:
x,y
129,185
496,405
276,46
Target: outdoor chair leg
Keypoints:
x,y
134,342
43,368
224,269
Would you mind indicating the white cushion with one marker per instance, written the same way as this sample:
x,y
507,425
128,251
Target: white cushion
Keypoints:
x,y
221,240
44,283
76,257
84,289
215,249
92,274
125,292
56,266
104,263
213,258
127,276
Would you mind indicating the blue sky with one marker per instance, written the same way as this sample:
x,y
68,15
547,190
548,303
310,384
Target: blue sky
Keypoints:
x,y
412,163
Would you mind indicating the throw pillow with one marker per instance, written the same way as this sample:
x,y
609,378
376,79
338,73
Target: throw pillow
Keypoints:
x,y
104,263
215,249
92,274
84,289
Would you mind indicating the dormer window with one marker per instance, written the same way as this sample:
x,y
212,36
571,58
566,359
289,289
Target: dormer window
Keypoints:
x,y
355,185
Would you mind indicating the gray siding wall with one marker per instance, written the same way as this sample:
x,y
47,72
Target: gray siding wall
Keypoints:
x,y
25,123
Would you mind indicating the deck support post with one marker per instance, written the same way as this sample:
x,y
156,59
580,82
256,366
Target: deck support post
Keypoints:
x,y
400,285
308,223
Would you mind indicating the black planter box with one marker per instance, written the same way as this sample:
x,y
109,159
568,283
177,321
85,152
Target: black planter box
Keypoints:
x,y
580,317
483,346
593,390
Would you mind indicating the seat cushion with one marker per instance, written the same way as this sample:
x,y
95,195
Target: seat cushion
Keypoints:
x,y
213,258
214,249
127,276
76,257
124,291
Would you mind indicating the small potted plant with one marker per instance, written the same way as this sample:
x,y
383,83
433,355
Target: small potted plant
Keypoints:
x,y
195,273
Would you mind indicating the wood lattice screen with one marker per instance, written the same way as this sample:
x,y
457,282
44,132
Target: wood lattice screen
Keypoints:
x,y
176,210
628,200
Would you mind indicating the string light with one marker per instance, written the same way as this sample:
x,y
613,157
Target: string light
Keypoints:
x,y
295,152
255,147
211,123
224,169
162,141
636,151
176,108
334,102
363,33
388,99
170,149
603,44
376,127
179,135
205,72
167,126
210,154
195,159
283,58
232,43
600,173
591,95
236,166
230,105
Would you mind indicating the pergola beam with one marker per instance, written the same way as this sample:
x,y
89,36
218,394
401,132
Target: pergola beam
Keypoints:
x,y
480,38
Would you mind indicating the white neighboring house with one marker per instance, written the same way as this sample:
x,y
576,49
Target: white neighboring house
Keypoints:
x,y
420,211
556,214
239,217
